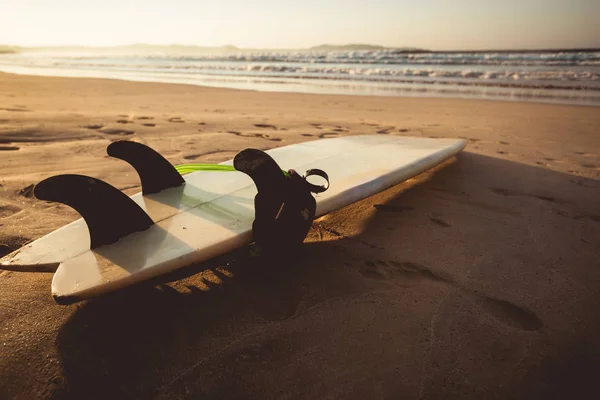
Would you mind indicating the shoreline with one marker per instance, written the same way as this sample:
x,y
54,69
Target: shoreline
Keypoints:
x,y
411,88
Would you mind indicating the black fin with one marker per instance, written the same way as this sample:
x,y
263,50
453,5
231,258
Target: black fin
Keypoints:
x,y
109,213
262,168
284,207
156,173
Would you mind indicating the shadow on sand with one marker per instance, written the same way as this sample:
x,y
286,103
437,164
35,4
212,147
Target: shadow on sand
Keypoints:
x,y
444,291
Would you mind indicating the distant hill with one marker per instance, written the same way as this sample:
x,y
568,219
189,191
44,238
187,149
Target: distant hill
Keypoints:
x,y
144,48
347,47
132,48
9,49
362,47
177,48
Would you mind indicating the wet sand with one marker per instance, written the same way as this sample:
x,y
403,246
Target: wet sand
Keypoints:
x,y
477,279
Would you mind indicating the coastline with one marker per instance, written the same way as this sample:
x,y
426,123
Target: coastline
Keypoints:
x,y
553,78
476,277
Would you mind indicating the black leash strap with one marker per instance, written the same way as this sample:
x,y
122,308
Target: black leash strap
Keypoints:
x,y
316,172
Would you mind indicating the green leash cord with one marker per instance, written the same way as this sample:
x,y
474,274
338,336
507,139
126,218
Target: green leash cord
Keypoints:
x,y
188,168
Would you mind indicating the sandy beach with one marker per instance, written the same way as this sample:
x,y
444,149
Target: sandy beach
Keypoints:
x,y
477,279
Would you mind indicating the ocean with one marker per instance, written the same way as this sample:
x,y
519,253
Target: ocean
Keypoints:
x,y
566,77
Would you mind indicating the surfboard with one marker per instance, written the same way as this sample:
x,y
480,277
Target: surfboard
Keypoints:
x,y
212,212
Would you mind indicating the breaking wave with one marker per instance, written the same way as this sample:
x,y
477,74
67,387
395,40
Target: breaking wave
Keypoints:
x,y
567,70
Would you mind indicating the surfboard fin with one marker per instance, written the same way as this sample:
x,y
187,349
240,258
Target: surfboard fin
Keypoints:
x,y
284,206
156,173
109,213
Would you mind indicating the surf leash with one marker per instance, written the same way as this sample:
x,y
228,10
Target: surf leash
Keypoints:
x,y
184,169
284,205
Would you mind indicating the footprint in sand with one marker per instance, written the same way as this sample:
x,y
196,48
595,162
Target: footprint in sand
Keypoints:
x,y
256,135
408,274
440,222
143,117
385,130
123,132
328,135
272,139
391,208
509,193
508,313
567,214
175,119
403,130
149,124
405,274
15,109
124,121
12,243
265,126
198,155
93,126
307,134
470,140
201,123
501,152
6,210
504,143
9,148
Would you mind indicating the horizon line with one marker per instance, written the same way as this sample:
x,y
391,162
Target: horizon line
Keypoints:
x,y
356,45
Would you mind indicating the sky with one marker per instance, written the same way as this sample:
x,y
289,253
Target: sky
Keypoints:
x,y
429,24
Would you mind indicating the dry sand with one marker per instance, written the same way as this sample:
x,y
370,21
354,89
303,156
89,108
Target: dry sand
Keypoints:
x,y
479,279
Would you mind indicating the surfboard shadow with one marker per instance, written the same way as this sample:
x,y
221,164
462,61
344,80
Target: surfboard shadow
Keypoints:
x,y
191,333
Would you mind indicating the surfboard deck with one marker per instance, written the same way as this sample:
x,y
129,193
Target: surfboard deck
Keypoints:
x,y
212,213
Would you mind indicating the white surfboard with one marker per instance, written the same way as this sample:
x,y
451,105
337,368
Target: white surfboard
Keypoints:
x,y
212,213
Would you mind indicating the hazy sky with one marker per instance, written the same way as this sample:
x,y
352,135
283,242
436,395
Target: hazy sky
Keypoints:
x,y
432,24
